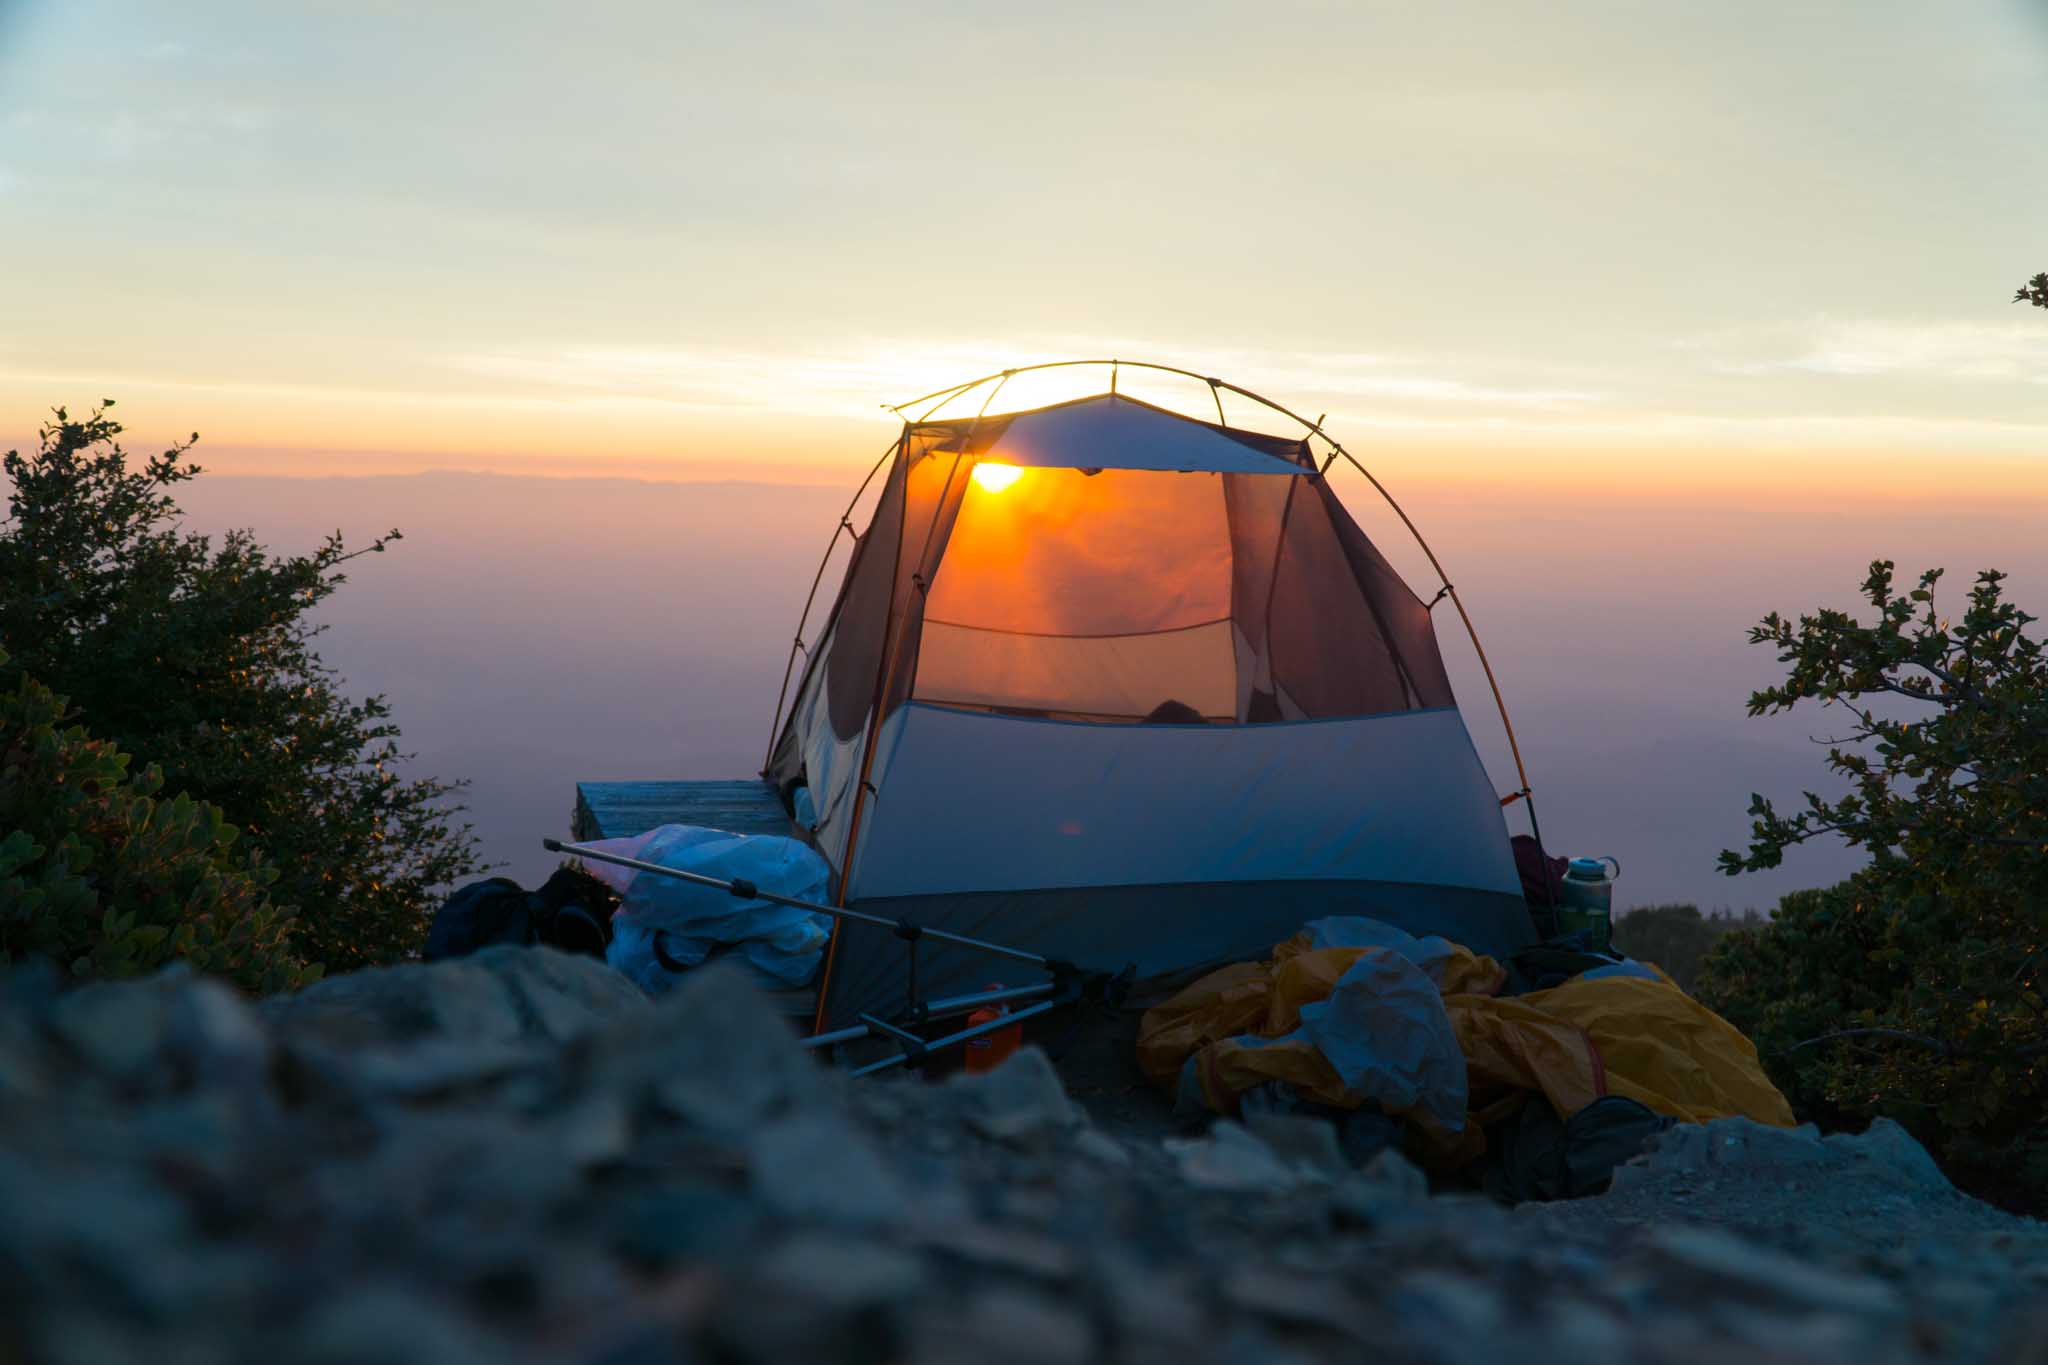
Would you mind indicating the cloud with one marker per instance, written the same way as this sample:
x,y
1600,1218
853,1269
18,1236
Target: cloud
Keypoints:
x,y
863,376
1865,347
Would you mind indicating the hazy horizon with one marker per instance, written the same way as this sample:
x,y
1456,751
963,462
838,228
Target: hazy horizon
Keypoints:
x,y
533,633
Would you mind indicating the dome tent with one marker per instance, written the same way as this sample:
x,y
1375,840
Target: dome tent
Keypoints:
x,y
1113,684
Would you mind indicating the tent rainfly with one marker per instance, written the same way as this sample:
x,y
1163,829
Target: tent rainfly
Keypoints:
x,y
1111,684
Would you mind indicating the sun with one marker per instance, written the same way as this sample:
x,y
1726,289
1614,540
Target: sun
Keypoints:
x,y
996,477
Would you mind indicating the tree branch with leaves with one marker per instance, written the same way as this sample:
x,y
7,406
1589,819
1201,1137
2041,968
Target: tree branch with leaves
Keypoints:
x,y
1916,988
197,655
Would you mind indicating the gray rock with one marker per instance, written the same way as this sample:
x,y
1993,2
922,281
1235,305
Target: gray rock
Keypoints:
x,y
1725,1267
442,1164
2024,1341
1005,1249
590,1131
1230,1159
1397,1175
560,995
1299,1300
658,1228
117,1029
1443,1303
711,1052
809,1301
1798,1335
1889,1150
1723,1144
106,1232
203,1130
535,1165
219,1041
377,1324
382,1006
430,1068
1309,1144
503,995
1003,1327
1576,1330
25,1075
1101,1147
843,1272
814,1167
1390,1186
1020,1101
1162,1308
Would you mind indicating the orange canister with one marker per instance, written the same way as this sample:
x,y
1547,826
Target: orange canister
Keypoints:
x,y
993,1048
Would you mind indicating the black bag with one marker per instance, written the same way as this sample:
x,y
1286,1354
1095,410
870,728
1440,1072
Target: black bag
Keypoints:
x,y
1534,1155
571,911
1555,961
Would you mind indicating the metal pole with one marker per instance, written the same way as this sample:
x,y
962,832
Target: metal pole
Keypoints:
x,y
961,1004
937,1009
842,1035
748,891
966,1035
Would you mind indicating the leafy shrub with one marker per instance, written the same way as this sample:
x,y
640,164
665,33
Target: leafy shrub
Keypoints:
x,y
198,657
1915,989
1676,937
98,873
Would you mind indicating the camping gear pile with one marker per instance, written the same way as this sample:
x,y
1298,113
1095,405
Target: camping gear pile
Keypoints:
x,y
665,925
1356,1014
1120,693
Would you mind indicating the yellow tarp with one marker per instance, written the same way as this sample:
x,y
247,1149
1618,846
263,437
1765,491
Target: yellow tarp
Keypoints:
x,y
1630,1036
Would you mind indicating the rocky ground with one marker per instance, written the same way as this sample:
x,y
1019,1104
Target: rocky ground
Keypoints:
x,y
516,1157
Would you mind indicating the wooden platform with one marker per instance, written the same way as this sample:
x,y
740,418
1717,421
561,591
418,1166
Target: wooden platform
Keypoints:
x,y
619,810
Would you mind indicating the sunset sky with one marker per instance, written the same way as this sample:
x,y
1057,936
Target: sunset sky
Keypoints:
x,y
1736,244
1657,316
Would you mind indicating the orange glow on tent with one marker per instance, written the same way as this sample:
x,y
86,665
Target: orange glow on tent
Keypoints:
x,y
996,477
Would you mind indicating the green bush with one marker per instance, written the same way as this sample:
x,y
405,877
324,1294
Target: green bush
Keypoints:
x,y
197,656
1915,989
1676,937
98,873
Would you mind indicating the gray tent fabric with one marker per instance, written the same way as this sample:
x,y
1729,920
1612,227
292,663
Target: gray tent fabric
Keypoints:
x,y
1112,684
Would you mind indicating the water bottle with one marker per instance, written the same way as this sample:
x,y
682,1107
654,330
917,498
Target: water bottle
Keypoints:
x,y
1589,899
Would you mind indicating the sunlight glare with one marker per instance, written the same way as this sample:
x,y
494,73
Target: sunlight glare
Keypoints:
x,y
996,477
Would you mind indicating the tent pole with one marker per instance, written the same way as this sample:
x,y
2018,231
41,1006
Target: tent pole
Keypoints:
x,y
888,665
1525,792
947,395
1472,632
810,599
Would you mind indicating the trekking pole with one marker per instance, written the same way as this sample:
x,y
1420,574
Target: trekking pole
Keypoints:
x,y
745,890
